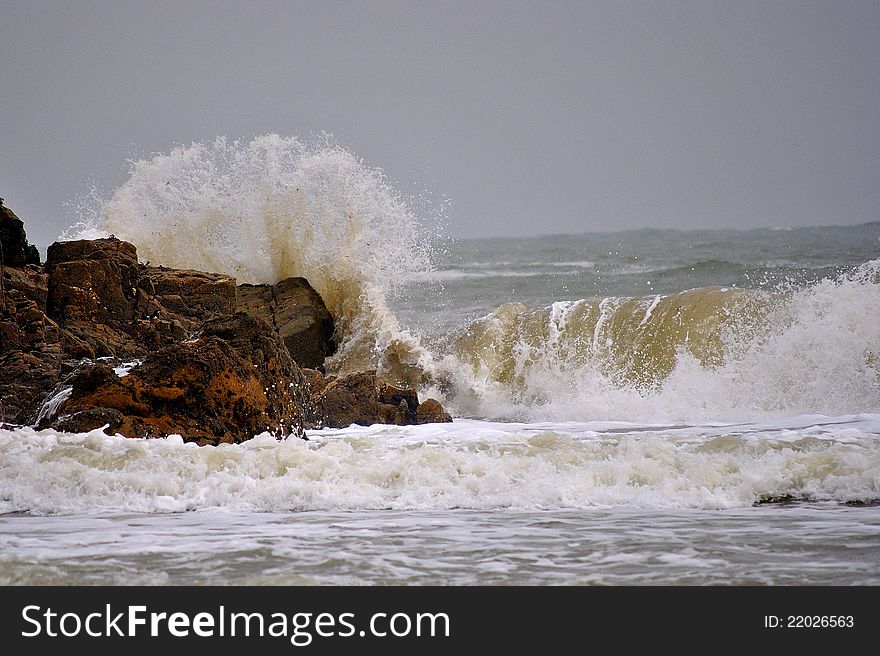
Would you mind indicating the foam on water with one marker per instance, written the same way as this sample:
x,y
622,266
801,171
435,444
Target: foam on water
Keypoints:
x,y
470,464
276,207
704,354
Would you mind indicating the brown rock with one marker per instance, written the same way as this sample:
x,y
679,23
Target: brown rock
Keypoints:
x,y
25,327
347,400
404,402
257,301
176,294
233,382
431,412
298,314
14,248
84,339
92,280
29,282
315,379
357,398
26,379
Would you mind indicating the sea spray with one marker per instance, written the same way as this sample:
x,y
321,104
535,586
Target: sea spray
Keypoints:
x,y
276,207
705,354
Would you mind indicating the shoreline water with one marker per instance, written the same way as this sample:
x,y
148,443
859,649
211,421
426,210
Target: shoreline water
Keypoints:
x,y
657,407
601,546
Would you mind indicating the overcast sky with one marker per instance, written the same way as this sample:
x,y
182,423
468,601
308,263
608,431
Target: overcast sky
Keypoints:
x,y
532,117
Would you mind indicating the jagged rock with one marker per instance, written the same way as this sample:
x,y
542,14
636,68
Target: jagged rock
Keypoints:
x,y
29,282
205,372
298,314
397,405
178,294
234,381
14,248
25,327
92,280
257,301
431,412
84,339
26,379
347,400
357,398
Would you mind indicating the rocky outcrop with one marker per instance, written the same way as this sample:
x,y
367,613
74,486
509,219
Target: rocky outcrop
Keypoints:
x,y
359,398
194,296
14,248
94,281
25,283
27,378
431,412
196,367
297,312
234,381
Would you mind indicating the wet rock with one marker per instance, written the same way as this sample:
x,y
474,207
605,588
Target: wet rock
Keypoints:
x,y
397,405
14,248
84,339
25,327
26,379
358,398
347,400
257,301
92,280
29,282
297,312
234,381
204,372
183,295
431,412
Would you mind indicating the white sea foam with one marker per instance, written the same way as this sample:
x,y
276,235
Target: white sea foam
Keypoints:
x,y
50,406
469,464
272,208
811,350
276,207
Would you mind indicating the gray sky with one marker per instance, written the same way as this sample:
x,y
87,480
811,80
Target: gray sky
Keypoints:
x,y
532,117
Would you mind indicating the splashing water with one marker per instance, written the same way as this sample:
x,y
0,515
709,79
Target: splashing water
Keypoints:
x,y
276,207
273,208
698,355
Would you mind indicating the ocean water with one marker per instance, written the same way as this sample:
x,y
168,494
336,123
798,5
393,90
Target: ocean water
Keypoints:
x,y
641,407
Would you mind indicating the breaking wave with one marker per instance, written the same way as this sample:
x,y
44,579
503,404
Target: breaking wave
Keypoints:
x,y
272,208
470,464
276,207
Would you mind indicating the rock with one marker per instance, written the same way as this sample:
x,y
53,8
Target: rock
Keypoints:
x,y
431,412
234,381
257,301
25,327
180,294
26,379
14,248
29,282
298,314
347,400
84,339
92,280
204,372
397,405
357,398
